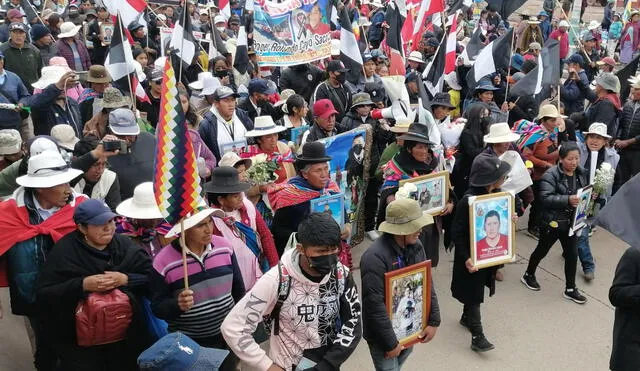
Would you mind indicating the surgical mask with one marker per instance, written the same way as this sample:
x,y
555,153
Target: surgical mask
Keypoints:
x,y
221,29
342,78
323,264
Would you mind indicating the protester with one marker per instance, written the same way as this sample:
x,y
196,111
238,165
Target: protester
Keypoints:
x,y
10,147
484,93
313,267
295,111
487,175
84,268
398,247
21,57
257,104
52,106
628,140
76,53
111,99
630,37
605,101
557,194
195,310
334,89
325,117
12,91
562,35
97,182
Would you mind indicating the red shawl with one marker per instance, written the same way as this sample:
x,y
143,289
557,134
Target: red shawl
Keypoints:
x,y
294,192
16,227
613,98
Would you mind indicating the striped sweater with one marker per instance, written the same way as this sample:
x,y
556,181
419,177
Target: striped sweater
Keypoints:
x,y
215,280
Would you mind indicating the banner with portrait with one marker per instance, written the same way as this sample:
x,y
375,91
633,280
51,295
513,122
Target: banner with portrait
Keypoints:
x,y
291,32
349,167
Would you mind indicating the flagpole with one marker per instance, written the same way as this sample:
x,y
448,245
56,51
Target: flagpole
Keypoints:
x,y
506,90
185,10
156,14
133,93
183,247
577,37
434,57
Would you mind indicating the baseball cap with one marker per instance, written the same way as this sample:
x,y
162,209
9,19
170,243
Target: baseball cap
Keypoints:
x,y
607,60
336,66
577,59
93,212
17,26
177,351
123,122
260,86
563,23
224,92
323,109
432,41
588,37
156,75
14,13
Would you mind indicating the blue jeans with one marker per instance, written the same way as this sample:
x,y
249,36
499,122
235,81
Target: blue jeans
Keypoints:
x,y
584,250
383,364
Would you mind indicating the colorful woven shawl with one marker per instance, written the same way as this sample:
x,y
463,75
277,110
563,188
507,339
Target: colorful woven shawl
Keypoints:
x,y
296,191
531,133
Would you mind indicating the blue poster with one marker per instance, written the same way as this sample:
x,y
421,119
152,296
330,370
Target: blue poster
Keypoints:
x,y
332,205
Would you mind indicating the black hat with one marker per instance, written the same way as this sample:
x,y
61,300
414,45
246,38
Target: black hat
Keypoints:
x,y
376,91
134,26
441,99
417,133
225,179
336,66
312,153
487,169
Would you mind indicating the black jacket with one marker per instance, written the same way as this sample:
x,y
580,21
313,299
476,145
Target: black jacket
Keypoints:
x,y
303,79
554,195
526,108
340,97
471,145
266,109
601,110
315,133
135,167
382,257
630,124
46,114
624,294
208,130
71,260
467,287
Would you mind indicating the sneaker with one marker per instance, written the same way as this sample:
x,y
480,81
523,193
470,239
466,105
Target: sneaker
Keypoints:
x,y
530,281
463,322
575,295
533,233
372,235
480,344
589,276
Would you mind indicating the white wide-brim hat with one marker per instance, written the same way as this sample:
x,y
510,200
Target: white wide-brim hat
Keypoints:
x,y
50,75
47,170
209,85
598,128
500,133
142,205
198,84
264,125
68,29
193,220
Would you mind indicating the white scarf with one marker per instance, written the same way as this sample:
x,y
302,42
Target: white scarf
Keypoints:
x,y
224,137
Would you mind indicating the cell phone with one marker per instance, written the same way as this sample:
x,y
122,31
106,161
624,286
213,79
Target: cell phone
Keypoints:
x,y
114,145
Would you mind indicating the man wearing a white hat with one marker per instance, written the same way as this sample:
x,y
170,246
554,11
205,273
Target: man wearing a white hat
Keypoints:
x,y
76,53
38,214
51,106
593,154
10,147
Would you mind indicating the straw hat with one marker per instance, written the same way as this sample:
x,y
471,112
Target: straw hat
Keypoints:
x,y
68,29
264,125
416,56
548,110
142,205
593,25
194,219
500,133
47,169
403,217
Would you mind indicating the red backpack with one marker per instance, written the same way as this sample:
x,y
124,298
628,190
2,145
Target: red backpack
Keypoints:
x,y
103,318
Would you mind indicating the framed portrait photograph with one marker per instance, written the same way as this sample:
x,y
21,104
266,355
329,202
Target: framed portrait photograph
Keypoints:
x,y
581,213
238,146
332,205
492,230
433,191
106,30
408,300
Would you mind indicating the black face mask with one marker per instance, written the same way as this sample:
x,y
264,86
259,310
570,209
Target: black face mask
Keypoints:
x,y
323,264
485,122
342,78
221,74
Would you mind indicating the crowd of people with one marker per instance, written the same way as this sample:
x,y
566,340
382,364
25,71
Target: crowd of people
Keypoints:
x,y
254,278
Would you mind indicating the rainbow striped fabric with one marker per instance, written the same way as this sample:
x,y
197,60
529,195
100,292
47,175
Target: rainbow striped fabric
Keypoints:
x,y
176,183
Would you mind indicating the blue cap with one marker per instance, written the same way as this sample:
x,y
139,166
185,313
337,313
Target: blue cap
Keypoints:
x,y
486,85
576,58
516,61
543,13
377,53
1,55
366,57
260,86
176,351
588,37
93,212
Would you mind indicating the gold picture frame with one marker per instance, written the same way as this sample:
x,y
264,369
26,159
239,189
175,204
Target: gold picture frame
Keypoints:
x,y
433,191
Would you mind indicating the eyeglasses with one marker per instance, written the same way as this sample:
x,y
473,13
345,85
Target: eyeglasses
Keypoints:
x,y
58,168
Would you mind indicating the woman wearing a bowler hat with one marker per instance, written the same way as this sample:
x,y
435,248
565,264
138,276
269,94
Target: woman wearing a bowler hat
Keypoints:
x,y
415,158
242,225
488,173
290,200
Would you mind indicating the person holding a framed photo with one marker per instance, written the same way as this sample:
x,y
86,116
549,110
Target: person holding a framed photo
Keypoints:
x,y
397,248
487,175
558,188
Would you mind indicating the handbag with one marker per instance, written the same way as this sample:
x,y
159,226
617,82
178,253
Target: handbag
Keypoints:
x,y
103,318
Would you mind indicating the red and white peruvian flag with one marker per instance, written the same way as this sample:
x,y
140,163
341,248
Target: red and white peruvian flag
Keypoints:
x,y
129,9
427,8
225,8
450,57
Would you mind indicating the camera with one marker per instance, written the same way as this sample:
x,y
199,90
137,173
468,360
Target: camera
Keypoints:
x,y
114,145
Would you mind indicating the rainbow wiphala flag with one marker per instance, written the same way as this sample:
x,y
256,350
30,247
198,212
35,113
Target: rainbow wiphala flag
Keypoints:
x,y
176,183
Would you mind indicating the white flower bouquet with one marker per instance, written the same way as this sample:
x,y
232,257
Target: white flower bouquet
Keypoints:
x,y
262,170
602,180
406,191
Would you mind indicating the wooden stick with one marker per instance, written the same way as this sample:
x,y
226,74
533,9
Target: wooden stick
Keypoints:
x,y
183,246
133,93
506,90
